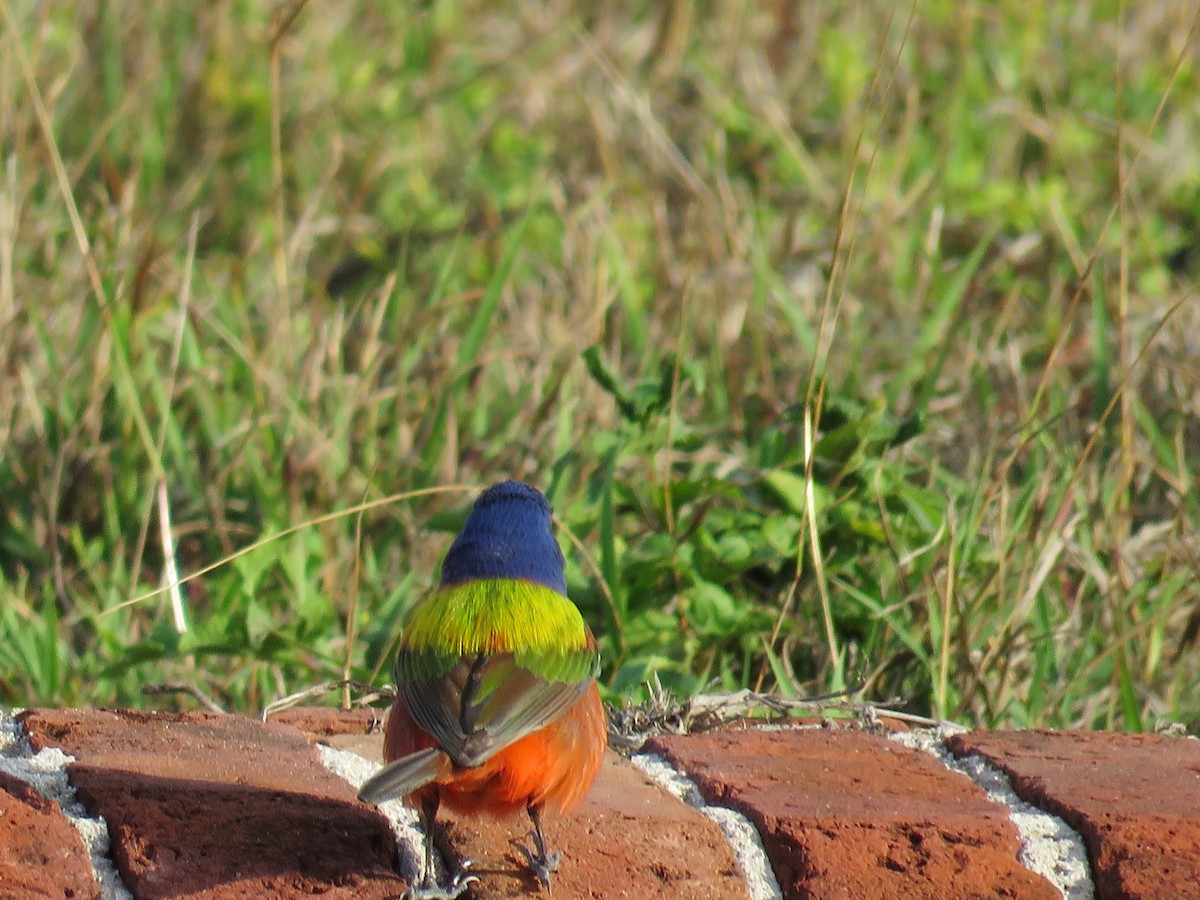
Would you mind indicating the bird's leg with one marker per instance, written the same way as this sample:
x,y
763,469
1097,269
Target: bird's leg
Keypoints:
x,y
429,889
428,816
542,861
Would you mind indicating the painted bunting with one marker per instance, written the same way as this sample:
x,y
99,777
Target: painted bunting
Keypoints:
x,y
496,707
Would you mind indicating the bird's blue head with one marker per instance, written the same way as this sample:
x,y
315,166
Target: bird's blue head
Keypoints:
x,y
509,534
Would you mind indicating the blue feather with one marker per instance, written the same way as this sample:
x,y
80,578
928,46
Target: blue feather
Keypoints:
x,y
509,534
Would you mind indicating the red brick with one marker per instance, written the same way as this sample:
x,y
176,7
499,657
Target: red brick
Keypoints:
x,y
629,838
41,853
848,814
326,721
357,730
1135,799
220,806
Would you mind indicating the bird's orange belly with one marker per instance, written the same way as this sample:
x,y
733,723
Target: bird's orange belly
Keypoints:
x,y
554,766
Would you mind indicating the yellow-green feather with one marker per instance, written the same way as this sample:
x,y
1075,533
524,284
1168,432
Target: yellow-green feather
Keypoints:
x,y
497,615
486,662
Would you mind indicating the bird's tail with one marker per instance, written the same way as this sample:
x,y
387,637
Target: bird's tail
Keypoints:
x,y
404,776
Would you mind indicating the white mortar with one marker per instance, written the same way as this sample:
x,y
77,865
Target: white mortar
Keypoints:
x,y
1049,846
409,838
46,773
741,835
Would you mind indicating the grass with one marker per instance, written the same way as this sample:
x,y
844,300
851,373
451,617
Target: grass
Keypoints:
x,y
855,345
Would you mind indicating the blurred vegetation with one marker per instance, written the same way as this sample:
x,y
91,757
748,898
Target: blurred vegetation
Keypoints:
x,y
855,344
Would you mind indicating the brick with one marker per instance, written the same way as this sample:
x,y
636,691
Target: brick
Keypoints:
x,y
41,853
200,804
1135,799
848,814
629,838
357,730
326,721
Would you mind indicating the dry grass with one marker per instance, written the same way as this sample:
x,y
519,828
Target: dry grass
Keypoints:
x,y
300,260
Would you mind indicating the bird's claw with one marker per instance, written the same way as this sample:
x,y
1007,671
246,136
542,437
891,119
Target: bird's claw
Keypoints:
x,y
429,889
542,863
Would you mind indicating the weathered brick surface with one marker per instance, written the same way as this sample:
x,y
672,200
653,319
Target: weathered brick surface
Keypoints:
x,y
41,854
847,814
201,805
358,731
325,721
220,806
1135,798
629,838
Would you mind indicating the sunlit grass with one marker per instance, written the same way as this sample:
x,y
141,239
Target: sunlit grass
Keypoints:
x,y
855,344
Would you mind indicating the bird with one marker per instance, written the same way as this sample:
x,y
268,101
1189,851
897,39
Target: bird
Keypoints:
x,y
496,710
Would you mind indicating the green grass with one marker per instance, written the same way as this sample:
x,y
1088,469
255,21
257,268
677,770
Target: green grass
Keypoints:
x,y
855,345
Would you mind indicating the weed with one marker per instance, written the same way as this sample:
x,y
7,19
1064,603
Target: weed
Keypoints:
x,y
854,344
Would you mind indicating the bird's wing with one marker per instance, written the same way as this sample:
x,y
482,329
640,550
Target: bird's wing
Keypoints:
x,y
403,776
476,705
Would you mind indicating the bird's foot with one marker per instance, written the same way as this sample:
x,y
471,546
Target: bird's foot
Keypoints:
x,y
542,863
429,889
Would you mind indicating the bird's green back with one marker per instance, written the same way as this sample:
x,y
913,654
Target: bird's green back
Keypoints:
x,y
540,627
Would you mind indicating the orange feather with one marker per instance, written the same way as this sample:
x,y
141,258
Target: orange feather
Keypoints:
x,y
554,766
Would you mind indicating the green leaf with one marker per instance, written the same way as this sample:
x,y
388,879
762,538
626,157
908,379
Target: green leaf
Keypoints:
x,y
604,376
791,490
